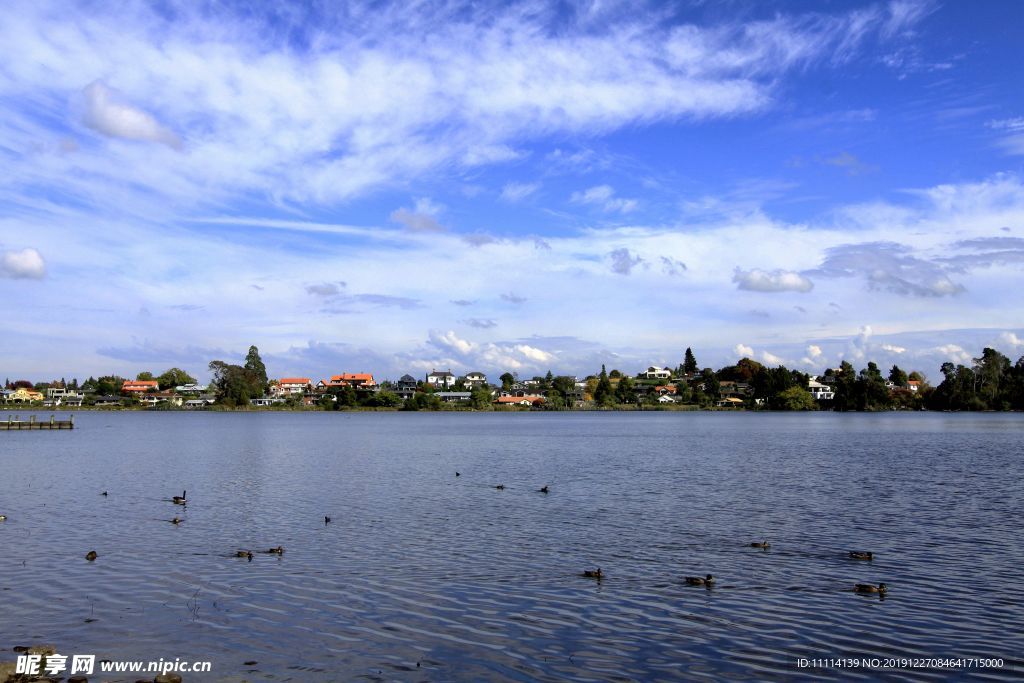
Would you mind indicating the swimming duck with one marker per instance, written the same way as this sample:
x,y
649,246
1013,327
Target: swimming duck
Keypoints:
x,y
3,518
500,487
861,555
763,545
543,489
179,500
104,493
327,520
244,553
457,474
698,581
594,573
276,551
91,555
176,521
869,588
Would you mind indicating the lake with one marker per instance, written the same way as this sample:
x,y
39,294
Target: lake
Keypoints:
x,y
422,575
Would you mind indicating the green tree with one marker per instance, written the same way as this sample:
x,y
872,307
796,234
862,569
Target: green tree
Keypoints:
x,y
625,392
507,380
254,364
796,398
897,376
683,394
992,373
175,377
235,385
872,393
712,387
603,395
480,398
144,377
689,362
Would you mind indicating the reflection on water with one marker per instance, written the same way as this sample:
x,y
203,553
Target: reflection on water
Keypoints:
x,y
422,575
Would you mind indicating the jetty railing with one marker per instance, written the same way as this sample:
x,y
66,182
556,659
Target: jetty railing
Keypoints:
x,y
12,424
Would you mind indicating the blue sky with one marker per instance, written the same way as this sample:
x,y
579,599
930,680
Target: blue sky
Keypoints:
x,y
495,186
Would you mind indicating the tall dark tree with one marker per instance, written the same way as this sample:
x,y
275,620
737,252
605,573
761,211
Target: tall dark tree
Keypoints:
x,y
689,362
507,380
235,385
625,392
897,376
254,364
603,395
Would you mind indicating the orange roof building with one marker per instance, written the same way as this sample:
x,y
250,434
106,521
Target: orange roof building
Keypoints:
x,y
352,379
139,386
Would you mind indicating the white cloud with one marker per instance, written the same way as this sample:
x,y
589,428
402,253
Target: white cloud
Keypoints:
x,y
757,280
603,196
25,264
954,353
743,351
772,359
514,192
892,348
814,351
421,218
1011,339
105,114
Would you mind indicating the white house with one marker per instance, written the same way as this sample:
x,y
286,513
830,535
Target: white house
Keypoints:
x,y
656,373
820,392
286,386
475,379
441,379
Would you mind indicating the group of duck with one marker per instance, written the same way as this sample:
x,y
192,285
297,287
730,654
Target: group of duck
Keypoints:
x,y
708,581
183,500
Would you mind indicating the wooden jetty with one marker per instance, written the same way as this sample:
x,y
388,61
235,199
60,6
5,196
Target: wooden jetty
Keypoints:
x,y
11,424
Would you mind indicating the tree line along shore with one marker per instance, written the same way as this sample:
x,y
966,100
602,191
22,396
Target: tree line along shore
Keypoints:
x,y
990,382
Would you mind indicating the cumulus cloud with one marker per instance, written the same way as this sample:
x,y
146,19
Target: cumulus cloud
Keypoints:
x,y
743,351
757,280
772,359
506,355
421,218
892,348
889,266
106,114
814,356
1011,339
623,261
514,192
22,264
954,353
603,196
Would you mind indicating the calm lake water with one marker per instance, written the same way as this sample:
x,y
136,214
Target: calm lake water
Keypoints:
x,y
423,575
